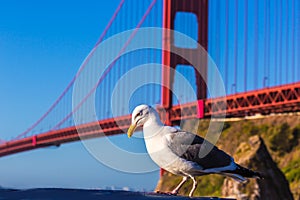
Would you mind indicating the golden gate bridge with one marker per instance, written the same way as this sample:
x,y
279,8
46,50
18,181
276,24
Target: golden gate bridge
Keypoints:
x,y
253,43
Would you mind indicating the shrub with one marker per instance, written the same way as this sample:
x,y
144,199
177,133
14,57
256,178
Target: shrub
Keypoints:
x,y
282,138
292,171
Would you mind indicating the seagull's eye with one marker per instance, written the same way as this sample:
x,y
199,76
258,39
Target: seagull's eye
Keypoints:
x,y
139,114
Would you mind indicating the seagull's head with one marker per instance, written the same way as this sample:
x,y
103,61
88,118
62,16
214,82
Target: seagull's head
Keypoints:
x,y
140,115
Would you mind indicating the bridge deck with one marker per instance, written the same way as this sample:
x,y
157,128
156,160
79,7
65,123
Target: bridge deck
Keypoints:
x,y
279,99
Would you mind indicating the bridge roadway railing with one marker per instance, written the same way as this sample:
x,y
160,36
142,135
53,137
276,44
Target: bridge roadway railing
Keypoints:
x,y
278,99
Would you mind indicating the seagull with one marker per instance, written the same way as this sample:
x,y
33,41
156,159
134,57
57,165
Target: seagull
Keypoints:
x,y
181,152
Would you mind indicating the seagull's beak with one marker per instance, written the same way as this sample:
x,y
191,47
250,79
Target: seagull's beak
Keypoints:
x,y
131,130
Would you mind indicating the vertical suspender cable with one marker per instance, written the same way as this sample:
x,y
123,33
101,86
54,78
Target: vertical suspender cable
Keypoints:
x,y
120,65
226,67
147,53
280,41
173,42
158,52
235,47
217,36
266,35
287,68
293,43
245,44
265,42
131,19
151,24
256,41
152,59
296,30
268,41
275,14
218,47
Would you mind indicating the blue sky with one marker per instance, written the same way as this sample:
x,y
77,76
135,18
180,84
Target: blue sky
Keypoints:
x,y
42,47
43,44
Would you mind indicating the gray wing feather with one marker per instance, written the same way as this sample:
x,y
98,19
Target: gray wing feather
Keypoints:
x,y
187,146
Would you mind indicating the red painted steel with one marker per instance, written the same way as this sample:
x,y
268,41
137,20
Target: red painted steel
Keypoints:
x,y
110,126
279,99
166,97
200,109
34,140
161,172
171,60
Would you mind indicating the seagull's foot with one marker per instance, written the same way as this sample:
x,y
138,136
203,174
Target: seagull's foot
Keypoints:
x,y
159,192
173,193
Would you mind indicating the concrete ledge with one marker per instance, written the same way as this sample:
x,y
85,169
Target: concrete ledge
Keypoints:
x,y
78,194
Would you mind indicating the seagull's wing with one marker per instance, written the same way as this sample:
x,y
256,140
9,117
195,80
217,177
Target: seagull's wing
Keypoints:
x,y
187,146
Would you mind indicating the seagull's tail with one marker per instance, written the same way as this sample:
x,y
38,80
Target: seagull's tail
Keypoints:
x,y
244,172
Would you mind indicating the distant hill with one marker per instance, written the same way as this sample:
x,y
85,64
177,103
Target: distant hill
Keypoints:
x,y
281,135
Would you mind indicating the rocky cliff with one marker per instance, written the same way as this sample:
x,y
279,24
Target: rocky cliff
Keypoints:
x,y
253,154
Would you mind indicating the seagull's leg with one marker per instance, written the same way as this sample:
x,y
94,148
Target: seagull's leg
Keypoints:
x,y
194,186
175,191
